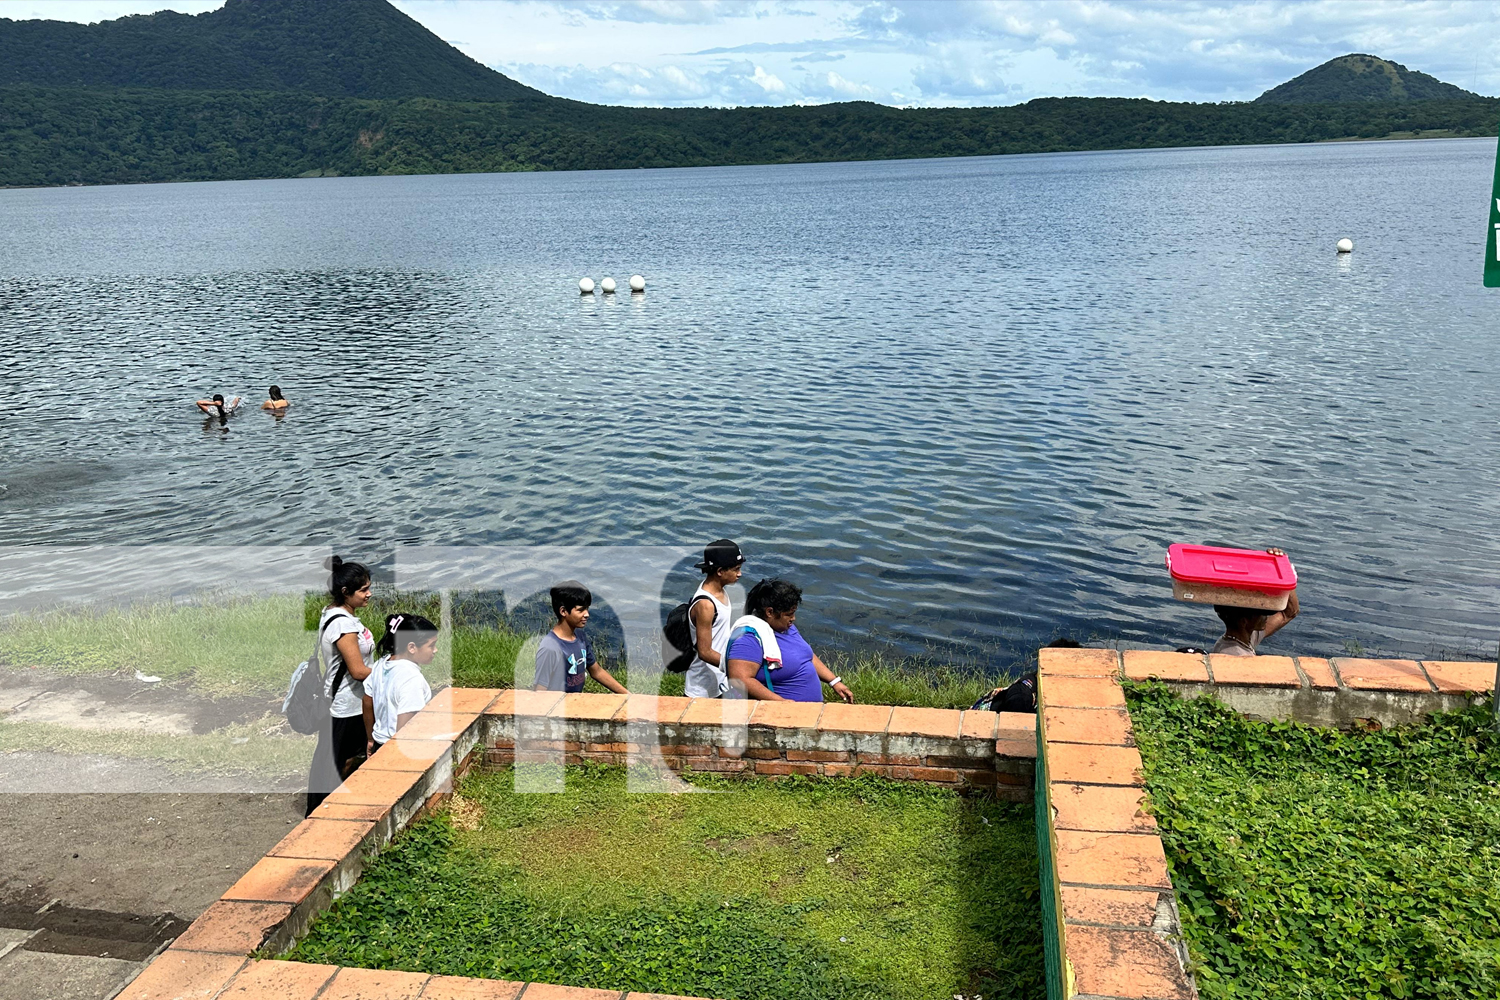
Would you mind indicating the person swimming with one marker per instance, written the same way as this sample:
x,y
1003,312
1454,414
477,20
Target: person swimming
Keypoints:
x,y
219,406
277,403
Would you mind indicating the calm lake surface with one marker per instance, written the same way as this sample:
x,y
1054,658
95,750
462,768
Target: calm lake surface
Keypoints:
x,y
967,403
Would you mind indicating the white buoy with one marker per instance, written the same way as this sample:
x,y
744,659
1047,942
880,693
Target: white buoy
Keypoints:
x,y
608,284
585,286
637,283
1346,245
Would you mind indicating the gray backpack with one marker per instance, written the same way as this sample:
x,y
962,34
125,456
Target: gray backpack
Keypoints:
x,y
307,702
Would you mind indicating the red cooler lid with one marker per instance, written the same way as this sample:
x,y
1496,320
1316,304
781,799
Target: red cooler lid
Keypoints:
x,y
1244,569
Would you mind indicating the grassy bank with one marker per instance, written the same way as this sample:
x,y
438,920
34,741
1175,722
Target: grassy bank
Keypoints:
x,y
227,645
1314,863
830,890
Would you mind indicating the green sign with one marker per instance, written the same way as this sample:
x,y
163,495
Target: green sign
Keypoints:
x,y
1492,244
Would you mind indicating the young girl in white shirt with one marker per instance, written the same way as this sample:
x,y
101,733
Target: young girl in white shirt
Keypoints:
x,y
396,688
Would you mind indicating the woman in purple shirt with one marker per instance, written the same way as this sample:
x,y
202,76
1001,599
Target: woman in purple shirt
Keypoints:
x,y
800,676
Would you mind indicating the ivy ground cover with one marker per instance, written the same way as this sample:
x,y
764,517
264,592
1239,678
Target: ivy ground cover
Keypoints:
x,y
831,889
1316,863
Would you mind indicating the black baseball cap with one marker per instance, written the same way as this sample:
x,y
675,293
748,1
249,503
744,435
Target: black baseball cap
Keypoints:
x,y
722,554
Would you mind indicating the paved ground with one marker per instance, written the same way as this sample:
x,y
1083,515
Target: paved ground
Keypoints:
x,y
95,880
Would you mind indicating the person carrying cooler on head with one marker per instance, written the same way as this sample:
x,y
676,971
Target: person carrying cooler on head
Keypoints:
x,y
565,658
1246,628
346,648
396,688
768,658
709,618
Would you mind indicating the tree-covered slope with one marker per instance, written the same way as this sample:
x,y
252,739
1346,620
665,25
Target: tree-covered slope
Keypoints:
x,y
336,48
54,136
1359,77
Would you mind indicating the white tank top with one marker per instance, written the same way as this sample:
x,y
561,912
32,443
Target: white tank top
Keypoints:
x,y
704,680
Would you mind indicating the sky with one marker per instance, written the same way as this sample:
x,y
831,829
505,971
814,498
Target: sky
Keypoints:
x,y
925,53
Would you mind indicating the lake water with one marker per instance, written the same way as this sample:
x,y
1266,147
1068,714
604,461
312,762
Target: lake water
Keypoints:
x,y
967,403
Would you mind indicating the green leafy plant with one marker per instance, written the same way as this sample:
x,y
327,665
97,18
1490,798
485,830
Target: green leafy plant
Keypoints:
x,y
1319,863
847,888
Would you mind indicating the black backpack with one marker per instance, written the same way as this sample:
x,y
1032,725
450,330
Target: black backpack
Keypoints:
x,y
1019,697
677,649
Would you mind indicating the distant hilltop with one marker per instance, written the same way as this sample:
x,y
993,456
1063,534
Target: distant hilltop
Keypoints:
x,y
1360,77
322,88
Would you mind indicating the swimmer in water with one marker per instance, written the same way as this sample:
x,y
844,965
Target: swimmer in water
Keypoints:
x,y
277,403
217,405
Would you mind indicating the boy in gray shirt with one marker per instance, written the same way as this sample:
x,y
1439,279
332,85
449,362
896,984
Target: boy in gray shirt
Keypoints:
x,y
565,658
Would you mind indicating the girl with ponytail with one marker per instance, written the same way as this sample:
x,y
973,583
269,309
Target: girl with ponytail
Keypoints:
x,y
396,688
345,647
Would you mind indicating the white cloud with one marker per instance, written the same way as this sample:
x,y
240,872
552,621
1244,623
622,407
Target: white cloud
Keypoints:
x,y
926,52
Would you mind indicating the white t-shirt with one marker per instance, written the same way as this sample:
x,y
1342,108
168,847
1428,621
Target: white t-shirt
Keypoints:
x,y
348,702
1236,648
396,686
704,680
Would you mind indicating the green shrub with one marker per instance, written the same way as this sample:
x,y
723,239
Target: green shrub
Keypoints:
x,y
1318,863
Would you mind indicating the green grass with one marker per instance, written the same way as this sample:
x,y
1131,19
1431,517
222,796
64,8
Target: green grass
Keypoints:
x,y
1316,863
235,645
824,890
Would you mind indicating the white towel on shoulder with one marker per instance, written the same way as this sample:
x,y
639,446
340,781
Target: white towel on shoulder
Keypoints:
x,y
770,649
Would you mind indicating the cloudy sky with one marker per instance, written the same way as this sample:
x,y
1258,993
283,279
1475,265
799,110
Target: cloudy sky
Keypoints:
x,y
924,52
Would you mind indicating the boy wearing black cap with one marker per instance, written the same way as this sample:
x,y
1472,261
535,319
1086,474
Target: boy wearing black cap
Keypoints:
x,y
709,619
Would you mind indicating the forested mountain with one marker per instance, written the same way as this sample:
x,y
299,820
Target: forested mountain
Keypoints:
x,y
1358,77
336,48
287,88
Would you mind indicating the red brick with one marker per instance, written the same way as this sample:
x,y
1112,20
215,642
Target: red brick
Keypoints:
x,y
375,787
374,984
586,705
1088,725
880,770
460,988
935,775
1111,808
280,880
972,776
688,750
402,754
727,766
322,839
787,714
838,770
349,812
233,928
465,701
1143,664
717,712
978,724
805,768
608,747
1015,780
1257,671
1016,723
1094,764
772,767
1382,675
1128,860
841,718
430,725
838,756
1123,907
1460,677
1017,749
905,760
1125,963
183,975
1078,662
543,991
763,754
653,708
281,980
940,723
1082,692
1319,673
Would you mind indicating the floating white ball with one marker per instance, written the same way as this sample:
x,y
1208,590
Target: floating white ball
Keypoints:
x,y
608,284
637,283
586,286
1346,245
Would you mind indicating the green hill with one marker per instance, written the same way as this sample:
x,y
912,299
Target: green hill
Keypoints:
x,y
1358,77
336,48
288,88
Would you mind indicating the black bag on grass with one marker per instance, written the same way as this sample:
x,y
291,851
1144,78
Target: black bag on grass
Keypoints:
x,y
1019,697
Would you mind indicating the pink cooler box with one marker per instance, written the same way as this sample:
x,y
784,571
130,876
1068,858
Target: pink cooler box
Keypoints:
x,y
1243,578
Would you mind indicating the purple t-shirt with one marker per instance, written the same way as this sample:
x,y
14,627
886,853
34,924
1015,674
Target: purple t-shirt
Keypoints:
x,y
796,679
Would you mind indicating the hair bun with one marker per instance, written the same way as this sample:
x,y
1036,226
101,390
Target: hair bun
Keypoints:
x,y
333,563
